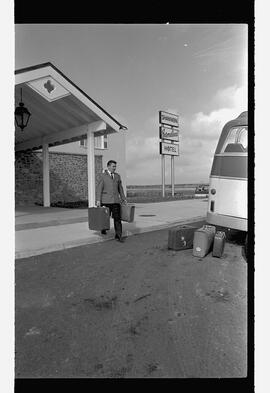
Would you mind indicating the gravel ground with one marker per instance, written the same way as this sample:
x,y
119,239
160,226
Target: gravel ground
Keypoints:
x,y
132,310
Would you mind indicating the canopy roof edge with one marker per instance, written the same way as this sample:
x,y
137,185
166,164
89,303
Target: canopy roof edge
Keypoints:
x,y
111,120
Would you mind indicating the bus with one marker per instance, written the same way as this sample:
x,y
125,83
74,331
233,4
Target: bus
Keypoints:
x,y
227,202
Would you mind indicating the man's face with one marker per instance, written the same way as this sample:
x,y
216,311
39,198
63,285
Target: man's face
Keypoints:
x,y
112,168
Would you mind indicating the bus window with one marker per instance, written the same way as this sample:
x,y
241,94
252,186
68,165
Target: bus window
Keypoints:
x,y
242,137
236,141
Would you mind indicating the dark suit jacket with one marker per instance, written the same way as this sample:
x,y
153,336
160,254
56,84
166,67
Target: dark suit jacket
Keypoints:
x,y
110,190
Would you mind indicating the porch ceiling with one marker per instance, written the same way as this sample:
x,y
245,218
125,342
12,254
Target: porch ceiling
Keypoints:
x,y
52,118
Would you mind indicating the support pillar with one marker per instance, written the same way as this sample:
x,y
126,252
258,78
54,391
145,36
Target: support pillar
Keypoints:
x,y
91,168
46,175
172,174
163,174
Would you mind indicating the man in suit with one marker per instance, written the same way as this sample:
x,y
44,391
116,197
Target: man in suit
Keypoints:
x,y
110,193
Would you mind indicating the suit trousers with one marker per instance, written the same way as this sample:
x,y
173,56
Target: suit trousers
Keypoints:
x,y
115,212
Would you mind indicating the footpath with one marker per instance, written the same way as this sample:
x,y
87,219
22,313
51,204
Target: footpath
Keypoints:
x,y
39,230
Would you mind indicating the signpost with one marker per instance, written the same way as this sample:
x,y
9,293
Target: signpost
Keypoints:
x,y
172,174
170,149
169,119
168,135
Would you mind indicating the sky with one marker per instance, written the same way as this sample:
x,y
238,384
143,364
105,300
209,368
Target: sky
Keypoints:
x,y
198,71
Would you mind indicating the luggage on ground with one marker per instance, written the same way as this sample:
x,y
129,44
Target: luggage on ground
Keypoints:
x,y
203,240
127,212
99,218
219,244
181,237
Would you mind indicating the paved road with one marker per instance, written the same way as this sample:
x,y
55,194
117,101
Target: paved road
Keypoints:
x,y
135,310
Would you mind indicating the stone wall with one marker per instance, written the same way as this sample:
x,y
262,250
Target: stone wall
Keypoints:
x,y
68,177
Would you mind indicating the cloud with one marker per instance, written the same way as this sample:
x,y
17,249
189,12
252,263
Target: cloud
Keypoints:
x,y
232,97
221,49
230,102
199,135
227,50
141,148
208,126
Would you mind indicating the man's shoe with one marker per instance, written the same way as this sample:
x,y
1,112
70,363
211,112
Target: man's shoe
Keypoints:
x,y
119,238
104,232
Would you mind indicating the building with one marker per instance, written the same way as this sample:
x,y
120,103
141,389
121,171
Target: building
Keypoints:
x,y
67,142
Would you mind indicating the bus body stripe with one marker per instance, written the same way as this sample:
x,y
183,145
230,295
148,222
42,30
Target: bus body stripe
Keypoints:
x,y
228,177
230,166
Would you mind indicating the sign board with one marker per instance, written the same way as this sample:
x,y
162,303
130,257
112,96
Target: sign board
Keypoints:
x,y
48,88
168,118
169,133
170,149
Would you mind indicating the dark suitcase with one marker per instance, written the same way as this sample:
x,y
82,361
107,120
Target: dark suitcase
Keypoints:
x,y
181,238
219,244
203,240
127,212
99,218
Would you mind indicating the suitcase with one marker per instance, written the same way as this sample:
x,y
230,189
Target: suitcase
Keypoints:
x,y
219,244
181,238
99,218
203,240
127,212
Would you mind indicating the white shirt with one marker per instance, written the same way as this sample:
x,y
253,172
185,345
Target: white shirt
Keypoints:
x,y
110,173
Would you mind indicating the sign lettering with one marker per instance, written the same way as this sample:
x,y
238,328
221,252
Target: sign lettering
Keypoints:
x,y
169,119
169,149
169,133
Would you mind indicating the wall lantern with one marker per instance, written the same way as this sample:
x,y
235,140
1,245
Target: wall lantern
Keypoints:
x,y
22,115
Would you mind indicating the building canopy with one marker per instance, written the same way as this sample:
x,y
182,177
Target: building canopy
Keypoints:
x,y
60,111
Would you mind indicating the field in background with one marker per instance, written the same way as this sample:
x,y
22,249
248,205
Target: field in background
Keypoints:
x,y
153,193
145,194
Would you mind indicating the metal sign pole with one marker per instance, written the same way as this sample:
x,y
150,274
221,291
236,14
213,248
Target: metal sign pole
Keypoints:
x,y
172,174
168,131
163,174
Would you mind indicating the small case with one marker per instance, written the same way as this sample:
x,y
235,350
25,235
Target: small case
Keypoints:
x,y
181,238
219,244
99,218
127,212
203,240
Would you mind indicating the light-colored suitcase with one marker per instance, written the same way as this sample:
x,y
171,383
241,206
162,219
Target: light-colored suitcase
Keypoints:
x,y
127,212
203,240
99,218
219,244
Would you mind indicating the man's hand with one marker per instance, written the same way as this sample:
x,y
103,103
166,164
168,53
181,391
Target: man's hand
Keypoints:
x,y
98,203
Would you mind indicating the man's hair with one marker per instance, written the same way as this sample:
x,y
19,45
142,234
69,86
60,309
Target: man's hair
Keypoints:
x,y
111,162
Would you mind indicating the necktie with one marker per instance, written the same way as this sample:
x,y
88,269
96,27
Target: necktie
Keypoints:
x,y
111,175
